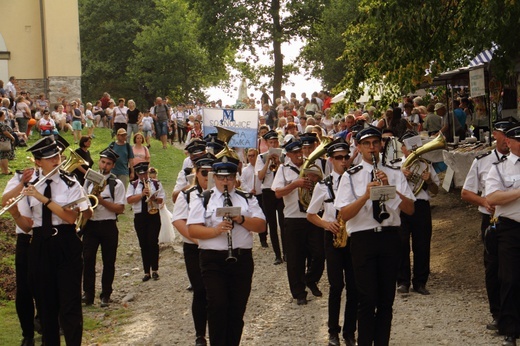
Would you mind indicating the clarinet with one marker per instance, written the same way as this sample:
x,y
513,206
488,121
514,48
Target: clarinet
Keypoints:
x,y
383,214
227,203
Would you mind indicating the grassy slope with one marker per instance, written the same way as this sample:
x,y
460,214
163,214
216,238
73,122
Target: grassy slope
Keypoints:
x,y
168,162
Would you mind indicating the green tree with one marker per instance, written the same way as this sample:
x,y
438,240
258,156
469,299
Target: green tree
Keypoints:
x,y
107,31
168,58
245,25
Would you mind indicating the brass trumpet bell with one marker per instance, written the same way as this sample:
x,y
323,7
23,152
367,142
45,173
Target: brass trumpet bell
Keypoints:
x,y
225,136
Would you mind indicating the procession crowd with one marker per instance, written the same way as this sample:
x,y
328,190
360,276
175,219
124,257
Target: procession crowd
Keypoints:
x,y
318,185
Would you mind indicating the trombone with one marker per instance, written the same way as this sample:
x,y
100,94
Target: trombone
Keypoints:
x,y
69,165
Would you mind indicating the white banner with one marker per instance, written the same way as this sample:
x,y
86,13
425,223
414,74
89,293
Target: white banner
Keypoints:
x,y
243,121
477,82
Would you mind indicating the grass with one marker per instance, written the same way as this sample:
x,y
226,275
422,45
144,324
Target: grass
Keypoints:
x,y
98,323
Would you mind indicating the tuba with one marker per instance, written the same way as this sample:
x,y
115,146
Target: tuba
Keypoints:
x,y
413,161
305,195
225,136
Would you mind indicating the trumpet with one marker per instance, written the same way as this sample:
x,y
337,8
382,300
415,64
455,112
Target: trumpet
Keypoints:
x,y
69,165
383,214
152,206
227,203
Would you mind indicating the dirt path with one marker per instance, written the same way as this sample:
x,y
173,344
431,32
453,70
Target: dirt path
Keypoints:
x,y
454,314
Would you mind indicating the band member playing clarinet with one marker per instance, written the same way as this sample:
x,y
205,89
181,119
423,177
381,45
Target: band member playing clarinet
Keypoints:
x,y
373,228
226,261
55,261
337,248
102,230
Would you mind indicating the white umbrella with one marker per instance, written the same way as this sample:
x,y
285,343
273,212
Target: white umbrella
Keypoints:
x,y
339,97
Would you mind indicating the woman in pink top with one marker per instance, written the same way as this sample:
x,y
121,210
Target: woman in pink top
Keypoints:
x,y
141,153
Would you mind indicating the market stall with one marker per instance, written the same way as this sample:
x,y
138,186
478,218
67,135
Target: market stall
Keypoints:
x,y
459,159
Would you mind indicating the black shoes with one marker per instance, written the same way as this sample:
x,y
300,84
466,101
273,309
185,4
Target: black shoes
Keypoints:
x,y
493,325
315,290
155,276
200,341
421,290
509,341
146,277
334,340
301,301
278,261
85,299
264,244
402,289
350,341
27,342
105,302
189,288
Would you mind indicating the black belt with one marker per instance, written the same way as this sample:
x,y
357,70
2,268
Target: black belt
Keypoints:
x,y
236,252
378,229
100,221
508,222
41,232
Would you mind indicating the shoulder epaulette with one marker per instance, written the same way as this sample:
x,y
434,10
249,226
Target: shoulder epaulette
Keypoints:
x,y
62,172
190,190
19,171
246,195
483,155
354,169
392,167
70,181
396,160
326,181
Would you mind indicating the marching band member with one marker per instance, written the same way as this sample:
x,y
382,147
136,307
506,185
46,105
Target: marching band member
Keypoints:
x,y
55,253
374,241
221,240
101,229
24,299
475,183
418,226
195,149
190,247
503,192
301,236
339,262
265,167
250,183
146,195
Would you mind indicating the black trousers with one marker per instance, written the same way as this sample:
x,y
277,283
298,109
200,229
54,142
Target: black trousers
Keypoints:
x,y
508,238
24,298
181,134
273,205
491,266
147,227
228,286
104,234
263,235
341,274
303,238
198,305
55,269
375,258
419,227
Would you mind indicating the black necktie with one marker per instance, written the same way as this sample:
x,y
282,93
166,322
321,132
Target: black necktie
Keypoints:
x,y
144,205
46,212
376,209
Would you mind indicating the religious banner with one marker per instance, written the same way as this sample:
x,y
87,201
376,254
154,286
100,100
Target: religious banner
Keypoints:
x,y
242,121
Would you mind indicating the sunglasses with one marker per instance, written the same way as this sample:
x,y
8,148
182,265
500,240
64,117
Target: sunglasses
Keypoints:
x,y
226,177
204,172
341,157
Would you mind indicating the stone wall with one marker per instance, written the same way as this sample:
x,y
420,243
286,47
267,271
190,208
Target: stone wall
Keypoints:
x,y
60,88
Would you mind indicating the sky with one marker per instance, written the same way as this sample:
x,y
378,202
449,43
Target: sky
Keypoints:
x,y
300,83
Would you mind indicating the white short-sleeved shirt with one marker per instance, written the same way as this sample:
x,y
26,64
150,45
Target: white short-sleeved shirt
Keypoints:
x,y
323,200
181,181
120,114
284,176
136,189
242,238
102,213
476,179
354,184
503,176
249,180
13,183
64,189
269,176
181,209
